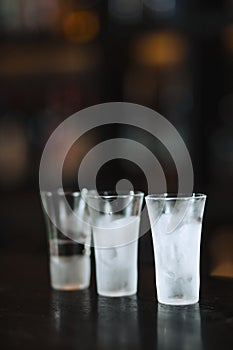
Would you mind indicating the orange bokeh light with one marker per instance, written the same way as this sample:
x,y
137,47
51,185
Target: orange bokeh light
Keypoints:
x,y
228,38
81,26
160,49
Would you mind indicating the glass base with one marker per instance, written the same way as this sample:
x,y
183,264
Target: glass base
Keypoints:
x,y
178,302
120,293
70,272
69,287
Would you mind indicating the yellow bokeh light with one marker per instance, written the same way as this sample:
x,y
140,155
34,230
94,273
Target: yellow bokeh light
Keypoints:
x,y
81,26
228,38
160,49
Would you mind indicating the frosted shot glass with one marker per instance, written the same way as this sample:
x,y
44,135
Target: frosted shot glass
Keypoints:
x,y
176,225
69,238
115,223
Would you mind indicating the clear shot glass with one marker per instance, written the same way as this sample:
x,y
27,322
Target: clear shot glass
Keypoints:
x,y
69,238
176,225
115,222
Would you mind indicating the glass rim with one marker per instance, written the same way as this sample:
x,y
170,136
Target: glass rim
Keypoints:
x,y
61,192
175,196
112,194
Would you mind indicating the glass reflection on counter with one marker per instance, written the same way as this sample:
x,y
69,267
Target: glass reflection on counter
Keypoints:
x,y
119,314
68,315
179,327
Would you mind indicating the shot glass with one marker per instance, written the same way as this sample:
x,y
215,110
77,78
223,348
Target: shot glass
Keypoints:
x,y
69,237
115,223
176,224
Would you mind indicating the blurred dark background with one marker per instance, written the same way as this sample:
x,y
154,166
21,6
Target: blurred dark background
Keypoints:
x,y
60,56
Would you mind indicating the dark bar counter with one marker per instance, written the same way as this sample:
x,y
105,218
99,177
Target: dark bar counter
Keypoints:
x,y
33,316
